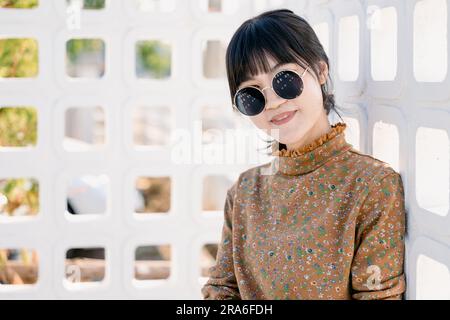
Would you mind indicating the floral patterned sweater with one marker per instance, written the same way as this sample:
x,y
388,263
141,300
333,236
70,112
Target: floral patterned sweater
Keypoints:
x,y
323,221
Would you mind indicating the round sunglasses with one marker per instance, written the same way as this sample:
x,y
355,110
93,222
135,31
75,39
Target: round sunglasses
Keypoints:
x,y
287,84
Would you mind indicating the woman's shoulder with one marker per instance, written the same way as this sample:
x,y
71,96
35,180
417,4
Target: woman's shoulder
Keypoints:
x,y
368,164
378,177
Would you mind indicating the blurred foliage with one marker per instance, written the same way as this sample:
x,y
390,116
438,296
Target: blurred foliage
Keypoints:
x,y
18,266
76,47
155,58
94,4
23,193
18,126
19,4
91,4
156,193
18,58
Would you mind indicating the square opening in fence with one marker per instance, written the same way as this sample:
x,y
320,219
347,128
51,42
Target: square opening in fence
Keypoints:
x,y
19,197
348,48
208,258
219,6
155,5
18,266
151,126
152,262
88,194
153,195
153,59
18,126
386,143
87,4
85,58
214,191
19,4
19,58
84,265
84,128
383,47
433,279
213,53
430,34
433,170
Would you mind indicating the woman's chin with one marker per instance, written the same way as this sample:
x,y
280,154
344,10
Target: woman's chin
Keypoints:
x,y
290,138
289,141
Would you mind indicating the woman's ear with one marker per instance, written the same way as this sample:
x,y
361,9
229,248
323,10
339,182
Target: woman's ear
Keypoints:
x,y
323,72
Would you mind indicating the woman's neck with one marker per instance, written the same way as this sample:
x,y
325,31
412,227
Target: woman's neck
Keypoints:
x,y
322,127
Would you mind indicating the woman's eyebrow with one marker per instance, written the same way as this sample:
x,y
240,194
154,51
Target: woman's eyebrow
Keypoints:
x,y
275,67
278,65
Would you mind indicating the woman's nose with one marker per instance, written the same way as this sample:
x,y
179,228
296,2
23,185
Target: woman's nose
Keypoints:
x,y
272,99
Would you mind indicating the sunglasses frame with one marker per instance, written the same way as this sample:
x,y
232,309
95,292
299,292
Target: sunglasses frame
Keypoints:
x,y
271,87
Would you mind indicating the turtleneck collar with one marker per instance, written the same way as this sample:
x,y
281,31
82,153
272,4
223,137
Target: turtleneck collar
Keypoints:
x,y
309,157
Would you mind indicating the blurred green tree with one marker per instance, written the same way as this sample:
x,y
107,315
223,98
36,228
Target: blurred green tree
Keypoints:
x,y
22,193
19,4
18,126
75,47
18,58
94,4
154,57
91,4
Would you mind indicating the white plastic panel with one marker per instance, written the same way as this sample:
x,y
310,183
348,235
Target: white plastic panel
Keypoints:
x,y
404,87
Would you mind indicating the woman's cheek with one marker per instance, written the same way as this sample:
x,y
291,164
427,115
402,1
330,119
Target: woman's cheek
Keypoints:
x,y
313,102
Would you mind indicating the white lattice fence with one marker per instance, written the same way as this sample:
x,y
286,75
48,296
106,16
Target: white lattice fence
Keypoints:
x,y
387,75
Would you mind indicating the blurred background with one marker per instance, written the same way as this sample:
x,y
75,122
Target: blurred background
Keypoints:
x,y
96,201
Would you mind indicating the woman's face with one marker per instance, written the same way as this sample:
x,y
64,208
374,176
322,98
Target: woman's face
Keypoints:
x,y
308,117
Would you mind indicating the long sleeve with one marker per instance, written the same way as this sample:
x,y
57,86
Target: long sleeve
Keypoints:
x,y
221,284
377,267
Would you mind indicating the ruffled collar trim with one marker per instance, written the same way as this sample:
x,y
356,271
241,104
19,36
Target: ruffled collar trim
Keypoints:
x,y
311,156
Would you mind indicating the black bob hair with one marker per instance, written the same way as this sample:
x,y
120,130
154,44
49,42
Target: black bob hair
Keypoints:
x,y
284,36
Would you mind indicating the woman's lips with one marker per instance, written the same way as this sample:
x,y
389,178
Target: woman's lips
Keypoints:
x,y
287,117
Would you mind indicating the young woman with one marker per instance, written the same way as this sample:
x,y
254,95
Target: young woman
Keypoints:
x,y
322,220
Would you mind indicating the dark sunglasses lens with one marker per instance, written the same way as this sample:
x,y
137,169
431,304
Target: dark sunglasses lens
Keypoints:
x,y
250,101
287,84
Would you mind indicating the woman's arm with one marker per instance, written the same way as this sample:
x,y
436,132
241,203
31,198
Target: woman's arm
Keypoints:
x,y
377,268
221,284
